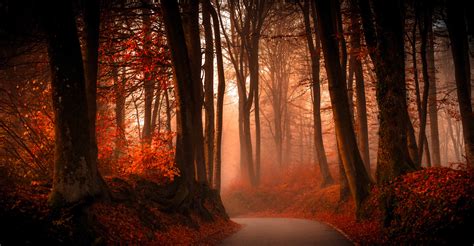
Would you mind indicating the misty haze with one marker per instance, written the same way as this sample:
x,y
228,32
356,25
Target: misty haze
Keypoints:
x,y
236,122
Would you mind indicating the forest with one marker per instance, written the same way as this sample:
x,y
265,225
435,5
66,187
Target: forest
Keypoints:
x,y
236,122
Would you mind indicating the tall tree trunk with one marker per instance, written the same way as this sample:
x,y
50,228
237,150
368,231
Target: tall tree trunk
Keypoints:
x,y
185,101
315,53
119,90
257,131
386,48
425,20
208,92
432,101
462,72
76,177
415,154
91,56
192,37
253,64
363,134
359,180
220,100
148,82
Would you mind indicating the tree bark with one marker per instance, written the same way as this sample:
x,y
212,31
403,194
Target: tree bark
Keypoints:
x,y
185,101
315,54
208,92
432,100
91,55
192,37
386,48
76,177
359,180
425,20
363,134
119,91
220,101
462,72
414,153
148,82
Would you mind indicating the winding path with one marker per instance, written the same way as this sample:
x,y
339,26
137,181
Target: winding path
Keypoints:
x,y
284,231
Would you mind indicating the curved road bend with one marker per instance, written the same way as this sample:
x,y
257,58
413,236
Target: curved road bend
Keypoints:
x,y
284,231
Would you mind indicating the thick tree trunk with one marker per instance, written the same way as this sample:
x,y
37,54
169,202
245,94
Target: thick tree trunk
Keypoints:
x,y
185,101
208,93
76,177
359,180
191,31
315,53
462,71
220,101
386,48
344,189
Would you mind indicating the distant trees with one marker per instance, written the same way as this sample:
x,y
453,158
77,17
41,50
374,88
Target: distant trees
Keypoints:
x,y
115,103
247,19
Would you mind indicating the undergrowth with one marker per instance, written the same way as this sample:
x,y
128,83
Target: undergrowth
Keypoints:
x,y
430,206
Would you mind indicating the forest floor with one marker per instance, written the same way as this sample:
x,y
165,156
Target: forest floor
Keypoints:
x,y
434,205
132,217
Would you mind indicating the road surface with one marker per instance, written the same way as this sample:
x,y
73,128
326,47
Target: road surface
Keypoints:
x,y
284,231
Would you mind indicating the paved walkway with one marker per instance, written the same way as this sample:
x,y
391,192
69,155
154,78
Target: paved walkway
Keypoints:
x,y
284,231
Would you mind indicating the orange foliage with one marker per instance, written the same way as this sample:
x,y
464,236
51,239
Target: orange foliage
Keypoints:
x,y
154,160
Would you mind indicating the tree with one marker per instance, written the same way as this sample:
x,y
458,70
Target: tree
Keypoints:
x,y
315,54
462,72
208,91
192,37
355,57
425,20
220,99
277,60
185,97
358,179
148,81
247,19
91,56
386,49
432,100
76,177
